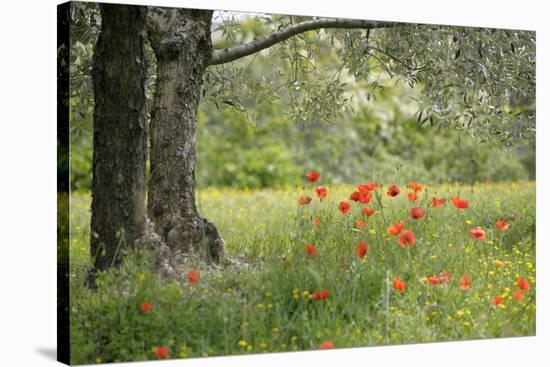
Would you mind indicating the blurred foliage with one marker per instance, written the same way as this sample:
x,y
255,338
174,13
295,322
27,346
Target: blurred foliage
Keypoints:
x,y
364,145
233,152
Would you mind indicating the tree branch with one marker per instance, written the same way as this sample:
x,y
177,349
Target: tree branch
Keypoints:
x,y
235,52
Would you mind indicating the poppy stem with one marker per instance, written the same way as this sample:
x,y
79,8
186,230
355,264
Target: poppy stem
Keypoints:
x,y
353,293
387,304
408,259
379,200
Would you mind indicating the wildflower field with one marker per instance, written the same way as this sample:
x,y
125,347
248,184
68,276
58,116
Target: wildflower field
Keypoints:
x,y
321,266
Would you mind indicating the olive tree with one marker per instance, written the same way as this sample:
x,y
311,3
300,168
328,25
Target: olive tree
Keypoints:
x,y
475,79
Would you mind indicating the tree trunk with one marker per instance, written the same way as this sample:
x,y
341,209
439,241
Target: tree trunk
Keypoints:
x,y
120,134
181,42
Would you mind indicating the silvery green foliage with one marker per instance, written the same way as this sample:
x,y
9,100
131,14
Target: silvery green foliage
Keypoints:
x,y
303,71
85,18
477,79
474,79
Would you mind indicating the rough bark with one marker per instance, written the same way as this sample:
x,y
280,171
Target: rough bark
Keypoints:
x,y
181,42
120,134
63,267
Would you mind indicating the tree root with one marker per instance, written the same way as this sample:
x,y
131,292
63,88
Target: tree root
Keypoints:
x,y
189,245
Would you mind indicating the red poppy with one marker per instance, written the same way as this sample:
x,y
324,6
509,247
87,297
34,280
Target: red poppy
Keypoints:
x,y
344,207
465,282
502,224
459,203
478,233
371,186
399,284
161,352
497,300
364,197
316,221
417,213
318,295
360,223
441,278
364,188
310,250
395,228
304,200
407,238
368,212
193,276
523,284
313,176
393,191
438,203
326,345
321,192
412,196
360,196
415,186
146,307
518,295
361,249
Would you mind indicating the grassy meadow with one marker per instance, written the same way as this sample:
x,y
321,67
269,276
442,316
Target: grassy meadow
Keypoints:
x,y
449,285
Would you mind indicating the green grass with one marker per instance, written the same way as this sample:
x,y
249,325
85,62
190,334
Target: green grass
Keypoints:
x,y
266,306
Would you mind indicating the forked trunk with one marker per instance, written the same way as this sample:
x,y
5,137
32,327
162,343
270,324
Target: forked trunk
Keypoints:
x,y
120,134
181,41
